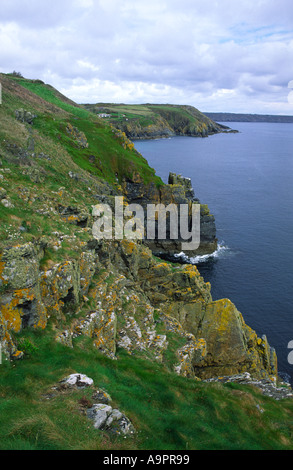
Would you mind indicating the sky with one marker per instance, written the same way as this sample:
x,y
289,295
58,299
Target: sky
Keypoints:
x,y
228,55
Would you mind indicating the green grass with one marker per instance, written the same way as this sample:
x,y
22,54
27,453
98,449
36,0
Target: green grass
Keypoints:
x,y
169,412
109,158
112,159
49,94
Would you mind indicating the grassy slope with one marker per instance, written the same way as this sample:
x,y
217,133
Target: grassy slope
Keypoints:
x,y
169,412
109,157
114,158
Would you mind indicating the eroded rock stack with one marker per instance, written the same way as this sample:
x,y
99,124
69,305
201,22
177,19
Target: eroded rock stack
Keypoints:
x,y
178,191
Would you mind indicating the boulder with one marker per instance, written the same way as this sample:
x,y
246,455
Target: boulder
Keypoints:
x,y
25,116
77,381
101,396
110,419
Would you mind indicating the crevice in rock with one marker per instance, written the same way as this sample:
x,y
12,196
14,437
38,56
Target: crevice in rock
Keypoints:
x,y
28,313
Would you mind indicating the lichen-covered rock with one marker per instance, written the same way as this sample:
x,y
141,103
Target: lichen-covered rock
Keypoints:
x,y
60,286
108,419
119,295
21,304
35,174
231,345
194,351
267,386
30,296
20,266
75,215
65,337
101,396
103,415
77,135
178,191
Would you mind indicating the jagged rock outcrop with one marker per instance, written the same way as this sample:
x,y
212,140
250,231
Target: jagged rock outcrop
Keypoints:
x,y
78,136
25,116
268,387
178,191
119,295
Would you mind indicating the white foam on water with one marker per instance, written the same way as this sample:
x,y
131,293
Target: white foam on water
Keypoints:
x,y
219,252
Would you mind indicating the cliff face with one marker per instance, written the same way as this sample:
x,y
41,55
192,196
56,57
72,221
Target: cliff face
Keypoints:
x,y
117,294
178,191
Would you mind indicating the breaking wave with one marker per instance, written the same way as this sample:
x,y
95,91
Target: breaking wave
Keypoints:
x,y
222,250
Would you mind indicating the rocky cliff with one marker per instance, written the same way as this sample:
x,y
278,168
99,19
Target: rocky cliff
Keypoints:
x,y
178,191
57,162
149,121
119,295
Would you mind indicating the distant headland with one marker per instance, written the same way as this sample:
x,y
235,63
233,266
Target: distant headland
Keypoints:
x,y
237,117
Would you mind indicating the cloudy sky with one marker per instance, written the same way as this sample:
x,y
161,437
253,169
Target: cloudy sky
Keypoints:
x,y
227,55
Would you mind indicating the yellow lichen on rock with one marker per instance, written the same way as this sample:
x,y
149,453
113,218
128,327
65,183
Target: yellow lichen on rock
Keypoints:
x,y
11,317
110,293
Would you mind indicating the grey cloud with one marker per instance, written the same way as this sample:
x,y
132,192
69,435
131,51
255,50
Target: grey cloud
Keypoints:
x,y
187,48
37,14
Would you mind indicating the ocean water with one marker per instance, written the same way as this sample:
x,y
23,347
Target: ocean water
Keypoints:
x,y
247,181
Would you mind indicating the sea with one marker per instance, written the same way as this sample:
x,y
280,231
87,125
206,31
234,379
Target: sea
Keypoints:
x,y
246,178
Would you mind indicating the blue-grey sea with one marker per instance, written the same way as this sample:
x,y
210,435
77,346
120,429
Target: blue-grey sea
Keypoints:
x,y
246,179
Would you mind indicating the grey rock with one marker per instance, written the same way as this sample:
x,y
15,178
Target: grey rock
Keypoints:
x,y
99,413
102,397
108,419
3,193
267,387
7,203
77,381
25,116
